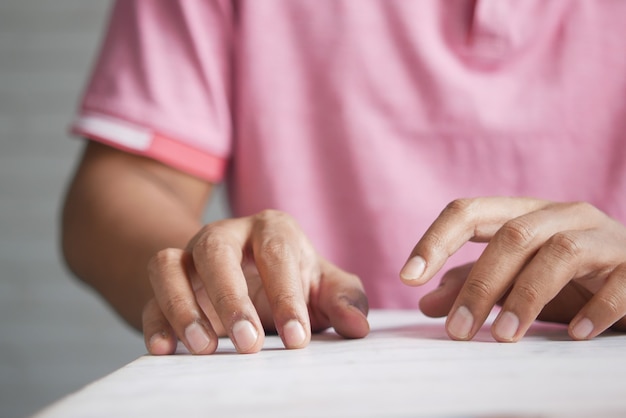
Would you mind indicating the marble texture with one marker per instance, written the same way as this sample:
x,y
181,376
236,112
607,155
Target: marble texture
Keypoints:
x,y
406,367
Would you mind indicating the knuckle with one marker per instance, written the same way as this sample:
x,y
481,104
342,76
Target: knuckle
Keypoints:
x,y
586,207
269,213
225,300
269,216
528,293
212,243
564,247
275,250
175,305
208,230
591,212
215,231
269,221
478,289
460,208
223,230
163,258
284,302
272,228
611,304
517,233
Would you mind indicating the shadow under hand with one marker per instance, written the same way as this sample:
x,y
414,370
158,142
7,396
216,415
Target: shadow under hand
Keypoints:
x,y
436,331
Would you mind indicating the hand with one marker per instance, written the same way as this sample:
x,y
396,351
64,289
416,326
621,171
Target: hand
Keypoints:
x,y
561,262
240,276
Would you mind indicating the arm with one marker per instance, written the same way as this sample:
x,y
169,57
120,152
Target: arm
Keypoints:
x,y
131,226
131,229
120,210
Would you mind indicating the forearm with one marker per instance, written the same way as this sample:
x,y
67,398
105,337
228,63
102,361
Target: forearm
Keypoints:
x,y
114,221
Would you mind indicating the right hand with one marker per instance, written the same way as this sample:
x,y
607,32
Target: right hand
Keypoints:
x,y
240,277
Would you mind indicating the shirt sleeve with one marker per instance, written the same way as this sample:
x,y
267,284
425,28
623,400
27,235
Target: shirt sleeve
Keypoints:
x,y
160,86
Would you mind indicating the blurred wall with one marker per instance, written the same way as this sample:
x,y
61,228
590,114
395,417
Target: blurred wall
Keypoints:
x,y
56,335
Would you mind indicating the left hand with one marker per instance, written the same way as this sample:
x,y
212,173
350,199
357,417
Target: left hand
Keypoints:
x,y
560,262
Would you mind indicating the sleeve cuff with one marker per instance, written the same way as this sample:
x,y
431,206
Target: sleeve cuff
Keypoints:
x,y
144,141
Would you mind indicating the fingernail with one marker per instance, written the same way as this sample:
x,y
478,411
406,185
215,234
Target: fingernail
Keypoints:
x,y
583,329
293,334
245,335
155,339
197,338
460,324
413,269
506,326
159,344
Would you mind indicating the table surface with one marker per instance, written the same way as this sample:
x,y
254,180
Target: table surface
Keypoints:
x,y
407,366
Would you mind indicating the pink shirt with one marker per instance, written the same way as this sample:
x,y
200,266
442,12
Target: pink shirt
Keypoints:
x,y
363,119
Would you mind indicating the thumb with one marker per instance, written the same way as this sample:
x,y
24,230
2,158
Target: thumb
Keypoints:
x,y
341,303
438,302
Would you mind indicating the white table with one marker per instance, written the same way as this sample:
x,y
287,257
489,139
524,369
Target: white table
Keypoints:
x,y
406,367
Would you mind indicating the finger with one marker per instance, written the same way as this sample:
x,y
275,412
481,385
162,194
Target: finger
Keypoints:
x,y
506,255
176,300
217,257
277,245
565,256
341,303
605,308
158,335
555,264
461,221
438,302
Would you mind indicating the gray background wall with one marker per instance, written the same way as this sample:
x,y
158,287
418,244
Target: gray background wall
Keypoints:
x,y
56,335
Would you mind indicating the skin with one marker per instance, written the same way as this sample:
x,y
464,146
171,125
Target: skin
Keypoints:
x,y
131,229
558,262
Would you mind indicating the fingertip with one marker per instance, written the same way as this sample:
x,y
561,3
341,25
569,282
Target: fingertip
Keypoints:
x,y
413,271
434,304
358,325
294,335
161,344
582,329
350,318
344,304
246,337
460,323
199,339
159,337
506,327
